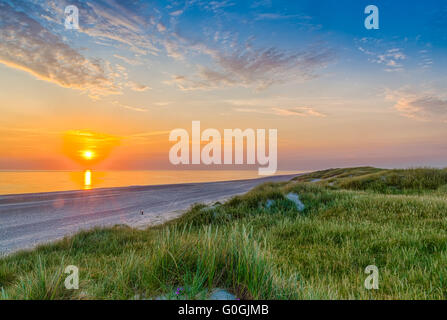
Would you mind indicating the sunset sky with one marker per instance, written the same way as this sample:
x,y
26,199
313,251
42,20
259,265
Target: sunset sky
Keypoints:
x,y
339,94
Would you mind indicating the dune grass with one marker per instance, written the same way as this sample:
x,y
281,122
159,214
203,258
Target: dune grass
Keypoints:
x,y
394,219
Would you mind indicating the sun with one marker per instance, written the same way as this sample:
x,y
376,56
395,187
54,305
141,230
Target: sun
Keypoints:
x,y
88,154
88,148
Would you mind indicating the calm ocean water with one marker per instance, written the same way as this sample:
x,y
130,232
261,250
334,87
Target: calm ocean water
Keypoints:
x,y
14,182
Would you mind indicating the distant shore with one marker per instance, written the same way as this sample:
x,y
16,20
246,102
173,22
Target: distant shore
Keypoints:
x,y
31,219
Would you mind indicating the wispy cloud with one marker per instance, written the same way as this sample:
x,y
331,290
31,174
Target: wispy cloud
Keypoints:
x,y
122,78
138,86
391,58
276,16
176,13
215,6
304,22
162,103
125,106
148,31
422,107
132,62
116,23
426,60
295,111
259,68
150,134
26,45
298,111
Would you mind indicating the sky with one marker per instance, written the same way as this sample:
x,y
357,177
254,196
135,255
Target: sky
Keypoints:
x,y
338,94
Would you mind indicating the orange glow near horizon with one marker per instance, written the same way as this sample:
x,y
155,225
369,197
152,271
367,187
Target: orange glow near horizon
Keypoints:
x,y
88,148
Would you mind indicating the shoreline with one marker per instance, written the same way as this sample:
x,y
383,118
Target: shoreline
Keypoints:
x,y
6,195
27,182
31,219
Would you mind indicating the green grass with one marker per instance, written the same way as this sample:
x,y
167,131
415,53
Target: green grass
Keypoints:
x,y
408,181
394,219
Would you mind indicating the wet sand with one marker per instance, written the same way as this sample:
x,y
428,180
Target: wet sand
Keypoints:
x,y
27,220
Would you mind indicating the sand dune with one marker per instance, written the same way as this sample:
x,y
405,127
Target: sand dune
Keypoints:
x,y
30,219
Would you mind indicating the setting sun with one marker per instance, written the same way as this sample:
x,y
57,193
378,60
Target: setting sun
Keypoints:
x,y
88,155
88,148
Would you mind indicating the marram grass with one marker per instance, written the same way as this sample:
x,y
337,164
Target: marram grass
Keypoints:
x,y
394,219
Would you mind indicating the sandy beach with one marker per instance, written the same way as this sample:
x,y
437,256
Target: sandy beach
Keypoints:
x,y
27,220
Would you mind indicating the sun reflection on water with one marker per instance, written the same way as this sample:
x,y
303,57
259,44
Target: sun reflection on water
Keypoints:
x,y
87,179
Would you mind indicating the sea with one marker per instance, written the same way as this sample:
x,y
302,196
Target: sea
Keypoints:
x,y
18,182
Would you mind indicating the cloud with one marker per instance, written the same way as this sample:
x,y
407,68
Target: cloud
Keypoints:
x,y
426,60
422,107
162,103
295,111
27,46
161,27
122,77
150,134
298,111
304,21
206,79
391,58
176,13
132,62
214,6
137,86
173,49
258,68
280,16
138,109
375,49
134,26
112,22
